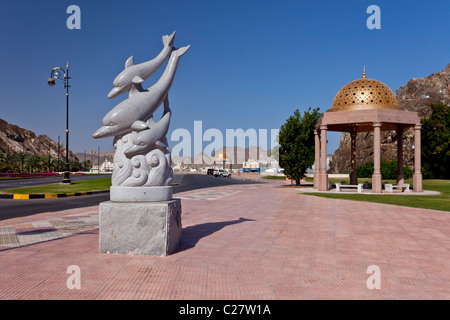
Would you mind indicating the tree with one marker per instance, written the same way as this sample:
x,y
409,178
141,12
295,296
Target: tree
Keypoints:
x,y
296,140
388,170
34,163
6,162
86,165
436,143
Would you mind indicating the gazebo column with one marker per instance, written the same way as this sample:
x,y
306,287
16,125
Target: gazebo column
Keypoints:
x,y
400,177
323,176
353,176
417,176
317,159
376,177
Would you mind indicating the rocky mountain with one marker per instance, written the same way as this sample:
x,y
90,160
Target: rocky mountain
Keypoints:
x,y
416,95
14,140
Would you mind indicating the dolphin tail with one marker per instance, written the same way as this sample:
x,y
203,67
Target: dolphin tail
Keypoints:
x,y
168,40
181,50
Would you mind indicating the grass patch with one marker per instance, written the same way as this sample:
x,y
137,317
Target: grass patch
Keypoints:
x,y
75,186
275,177
435,202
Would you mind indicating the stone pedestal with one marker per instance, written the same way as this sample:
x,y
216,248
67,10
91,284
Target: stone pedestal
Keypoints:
x,y
141,194
140,228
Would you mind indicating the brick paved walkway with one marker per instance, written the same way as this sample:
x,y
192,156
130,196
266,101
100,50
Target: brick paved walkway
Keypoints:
x,y
239,242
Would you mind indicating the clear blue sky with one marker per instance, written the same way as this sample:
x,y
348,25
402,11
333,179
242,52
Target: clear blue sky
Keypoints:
x,y
250,65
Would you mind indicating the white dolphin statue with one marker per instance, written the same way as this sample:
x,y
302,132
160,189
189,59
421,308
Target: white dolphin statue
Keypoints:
x,y
141,103
123,82
150,134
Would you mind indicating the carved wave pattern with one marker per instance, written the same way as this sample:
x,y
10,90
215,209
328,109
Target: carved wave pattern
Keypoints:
x,y
152,169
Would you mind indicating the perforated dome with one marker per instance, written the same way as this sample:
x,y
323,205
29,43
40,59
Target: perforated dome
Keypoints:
x,y
364,94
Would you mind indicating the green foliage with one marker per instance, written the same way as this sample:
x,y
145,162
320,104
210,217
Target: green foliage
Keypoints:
x,y
388,170
365,170
436,143
38,164
296,140
434,202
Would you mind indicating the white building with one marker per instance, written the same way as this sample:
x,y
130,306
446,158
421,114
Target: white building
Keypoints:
x,y
106,166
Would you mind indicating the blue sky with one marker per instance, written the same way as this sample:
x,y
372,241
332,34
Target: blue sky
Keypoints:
x,y
250,65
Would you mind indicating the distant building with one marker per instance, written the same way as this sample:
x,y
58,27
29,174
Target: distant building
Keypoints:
x,y
106,166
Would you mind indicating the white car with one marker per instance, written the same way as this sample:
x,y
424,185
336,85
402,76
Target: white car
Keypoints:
x,y
222,173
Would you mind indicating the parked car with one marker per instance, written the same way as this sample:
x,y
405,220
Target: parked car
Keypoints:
x,y
210,172
222,173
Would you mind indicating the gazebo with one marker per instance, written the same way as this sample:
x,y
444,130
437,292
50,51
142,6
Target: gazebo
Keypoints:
x,y
220,158
366,105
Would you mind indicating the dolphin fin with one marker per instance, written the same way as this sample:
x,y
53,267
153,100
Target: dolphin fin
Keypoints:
x,y
161,144
150,122
129,62
139,125
182,50
137,86
137,80
168,40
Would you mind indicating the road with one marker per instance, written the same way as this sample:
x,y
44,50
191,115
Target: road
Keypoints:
x,y
20,208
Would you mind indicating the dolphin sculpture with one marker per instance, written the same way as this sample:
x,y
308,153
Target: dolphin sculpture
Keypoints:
x,y
141,103
123,82
150,134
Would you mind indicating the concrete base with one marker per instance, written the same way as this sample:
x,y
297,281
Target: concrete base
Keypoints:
x,y
141,194
151,228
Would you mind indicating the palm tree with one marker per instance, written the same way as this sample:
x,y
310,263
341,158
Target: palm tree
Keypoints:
x,y
33,163
5,162
50,164
17,162
86,165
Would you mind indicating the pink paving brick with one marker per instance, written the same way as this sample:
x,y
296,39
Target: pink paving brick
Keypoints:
x,y
247,242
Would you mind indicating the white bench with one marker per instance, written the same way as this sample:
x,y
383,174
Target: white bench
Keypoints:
x,y
390,188
359,187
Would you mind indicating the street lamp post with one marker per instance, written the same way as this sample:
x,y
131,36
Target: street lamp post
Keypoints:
x,y
56,74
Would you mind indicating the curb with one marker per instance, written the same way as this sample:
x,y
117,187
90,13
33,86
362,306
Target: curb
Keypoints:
x,y
18,196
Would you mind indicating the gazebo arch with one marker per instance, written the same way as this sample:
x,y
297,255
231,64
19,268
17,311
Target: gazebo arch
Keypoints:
x,y
366,105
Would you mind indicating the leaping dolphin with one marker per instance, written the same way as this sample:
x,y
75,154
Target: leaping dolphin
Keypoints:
x,y
142,103
151,134
123,82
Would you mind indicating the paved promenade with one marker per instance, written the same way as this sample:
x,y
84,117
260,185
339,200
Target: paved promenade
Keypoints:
x,y
257,241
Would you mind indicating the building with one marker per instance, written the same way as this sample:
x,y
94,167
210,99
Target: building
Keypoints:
x,y
106,166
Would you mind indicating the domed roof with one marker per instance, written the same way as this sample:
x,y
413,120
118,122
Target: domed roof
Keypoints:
x,y
363,94
221,156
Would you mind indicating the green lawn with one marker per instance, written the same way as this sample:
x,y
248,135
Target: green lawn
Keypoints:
x,y
275,177
75,186
435,202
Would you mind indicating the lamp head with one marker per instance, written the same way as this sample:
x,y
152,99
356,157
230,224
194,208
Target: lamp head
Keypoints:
x,y
51,82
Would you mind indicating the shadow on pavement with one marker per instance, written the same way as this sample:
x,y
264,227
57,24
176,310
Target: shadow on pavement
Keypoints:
x,y
191,235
